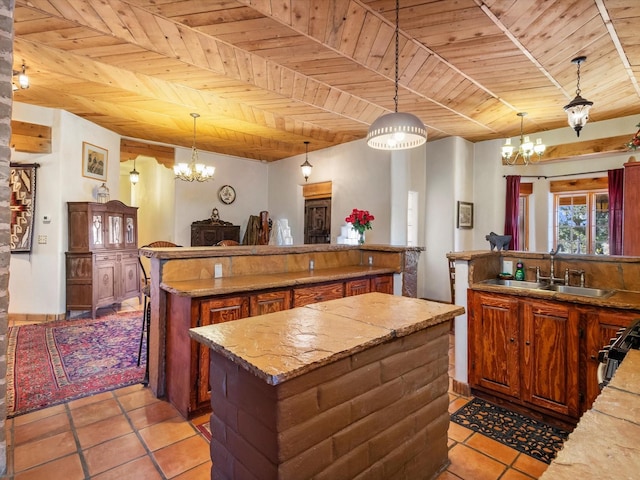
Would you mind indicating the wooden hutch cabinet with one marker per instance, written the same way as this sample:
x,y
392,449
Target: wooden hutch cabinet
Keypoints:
x,y
102,260
208,234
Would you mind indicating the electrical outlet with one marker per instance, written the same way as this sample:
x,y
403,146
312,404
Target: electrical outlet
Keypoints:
x,y
42,239
217,270
507,266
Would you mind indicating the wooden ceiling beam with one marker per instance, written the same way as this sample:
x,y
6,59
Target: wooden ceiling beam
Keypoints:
x,y
131,149
30,138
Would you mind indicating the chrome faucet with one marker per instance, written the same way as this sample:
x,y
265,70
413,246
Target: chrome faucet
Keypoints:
x,y
552,278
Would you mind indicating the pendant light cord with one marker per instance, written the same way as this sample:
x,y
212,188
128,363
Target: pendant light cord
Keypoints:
x,y
578,82
395,98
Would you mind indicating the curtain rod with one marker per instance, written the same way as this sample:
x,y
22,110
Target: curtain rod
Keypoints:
x,y
556,176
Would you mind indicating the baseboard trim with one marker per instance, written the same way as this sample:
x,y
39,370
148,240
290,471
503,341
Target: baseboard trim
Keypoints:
x,y
17,318
461,388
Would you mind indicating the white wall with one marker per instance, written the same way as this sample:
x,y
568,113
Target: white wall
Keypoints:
x,y
195,201
360,179
58,180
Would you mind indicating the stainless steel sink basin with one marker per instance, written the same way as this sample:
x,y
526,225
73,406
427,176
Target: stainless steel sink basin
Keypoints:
x,y
583,291
514,283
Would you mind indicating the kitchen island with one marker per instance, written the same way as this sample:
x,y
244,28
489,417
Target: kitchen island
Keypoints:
x,y
200,285
337,389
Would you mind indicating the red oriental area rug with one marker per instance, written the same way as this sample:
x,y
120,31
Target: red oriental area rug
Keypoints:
x,y
54,362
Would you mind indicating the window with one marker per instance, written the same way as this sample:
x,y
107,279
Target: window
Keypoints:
x,y
582,222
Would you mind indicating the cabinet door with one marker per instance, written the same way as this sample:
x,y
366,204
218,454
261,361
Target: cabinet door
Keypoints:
x,y
602,325
494,343
356,287
382,284
318,293
105,290
211,312
129,275
130,231
97,230
550,356
114,230
270,302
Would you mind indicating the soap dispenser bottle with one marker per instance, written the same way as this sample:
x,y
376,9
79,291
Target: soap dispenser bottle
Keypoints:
x,y
519,270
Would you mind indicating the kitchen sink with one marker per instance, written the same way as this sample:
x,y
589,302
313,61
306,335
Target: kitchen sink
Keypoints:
x,y
514,283
582,291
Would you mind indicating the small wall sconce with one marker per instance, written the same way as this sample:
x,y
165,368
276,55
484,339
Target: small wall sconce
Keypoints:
x,y
23,79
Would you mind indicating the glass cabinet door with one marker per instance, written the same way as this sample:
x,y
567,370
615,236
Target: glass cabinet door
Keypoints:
x,y
130,234
115,230
97,230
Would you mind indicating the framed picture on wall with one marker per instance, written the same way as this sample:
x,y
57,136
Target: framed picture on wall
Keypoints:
x,y
465,215
94,162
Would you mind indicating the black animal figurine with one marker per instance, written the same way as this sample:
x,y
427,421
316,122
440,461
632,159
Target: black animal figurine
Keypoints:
x,y
499,242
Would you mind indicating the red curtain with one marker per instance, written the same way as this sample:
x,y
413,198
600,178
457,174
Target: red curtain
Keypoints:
x,y
616,190
512,210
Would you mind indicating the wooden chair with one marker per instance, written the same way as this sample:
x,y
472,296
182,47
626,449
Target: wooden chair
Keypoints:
x,y
146,309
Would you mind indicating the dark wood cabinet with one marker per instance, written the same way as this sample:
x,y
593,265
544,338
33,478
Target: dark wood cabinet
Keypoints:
x,y
550,356
208,234
102,259
494,341
538,354
190,393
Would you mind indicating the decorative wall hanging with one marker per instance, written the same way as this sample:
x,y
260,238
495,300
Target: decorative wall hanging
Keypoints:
x,y
94,162
22,185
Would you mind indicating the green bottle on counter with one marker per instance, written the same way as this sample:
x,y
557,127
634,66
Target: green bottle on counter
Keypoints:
x,y
519,270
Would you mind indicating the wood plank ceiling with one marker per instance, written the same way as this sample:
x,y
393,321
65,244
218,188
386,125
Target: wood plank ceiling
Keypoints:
x,y
266,75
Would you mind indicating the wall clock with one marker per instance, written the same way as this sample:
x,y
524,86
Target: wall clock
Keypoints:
x,y
227,194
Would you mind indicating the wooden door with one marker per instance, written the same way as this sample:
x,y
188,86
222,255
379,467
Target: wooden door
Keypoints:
x,y
494,331
602,324
317,221
550,356
382,284
214,311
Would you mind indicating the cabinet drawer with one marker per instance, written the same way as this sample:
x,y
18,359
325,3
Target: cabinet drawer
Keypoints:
x,y
106,257
269,302
318,293
356,287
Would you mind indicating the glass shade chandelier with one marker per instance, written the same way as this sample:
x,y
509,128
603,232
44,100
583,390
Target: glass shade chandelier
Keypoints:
x,y
526,150
306,166
578,108
23,79
134,175
396,131
194,171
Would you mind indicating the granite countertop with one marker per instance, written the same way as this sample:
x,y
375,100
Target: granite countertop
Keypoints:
x,y
623,299
240,250
283,345
605,442
243,283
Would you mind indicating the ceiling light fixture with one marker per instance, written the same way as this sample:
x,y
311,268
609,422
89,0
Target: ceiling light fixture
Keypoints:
x,y
23,79
396,131
526,148
194,170
306,166
578,109
134,175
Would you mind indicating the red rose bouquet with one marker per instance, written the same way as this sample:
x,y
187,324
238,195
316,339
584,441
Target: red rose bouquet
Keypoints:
x,y
360,219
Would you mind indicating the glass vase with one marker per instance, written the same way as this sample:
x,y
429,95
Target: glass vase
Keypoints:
x,y
361,238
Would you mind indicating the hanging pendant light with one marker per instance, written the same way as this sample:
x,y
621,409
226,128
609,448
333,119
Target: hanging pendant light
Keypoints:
x,y
194,171
526,150
134,175
396,131
578,109
306,166
23,79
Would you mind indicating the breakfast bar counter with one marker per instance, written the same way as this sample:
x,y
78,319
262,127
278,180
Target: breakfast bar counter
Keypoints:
x,y
336,389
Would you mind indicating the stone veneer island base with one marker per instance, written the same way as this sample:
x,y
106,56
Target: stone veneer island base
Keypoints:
x,y
343,389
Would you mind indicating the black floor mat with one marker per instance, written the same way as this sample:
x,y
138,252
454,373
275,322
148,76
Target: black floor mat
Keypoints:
x,y
529,436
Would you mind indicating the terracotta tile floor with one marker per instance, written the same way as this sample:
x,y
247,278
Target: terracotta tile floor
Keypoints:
x,y
130,434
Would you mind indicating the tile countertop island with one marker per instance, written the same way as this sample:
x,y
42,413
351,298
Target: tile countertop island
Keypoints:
x,y
334,389
605,442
